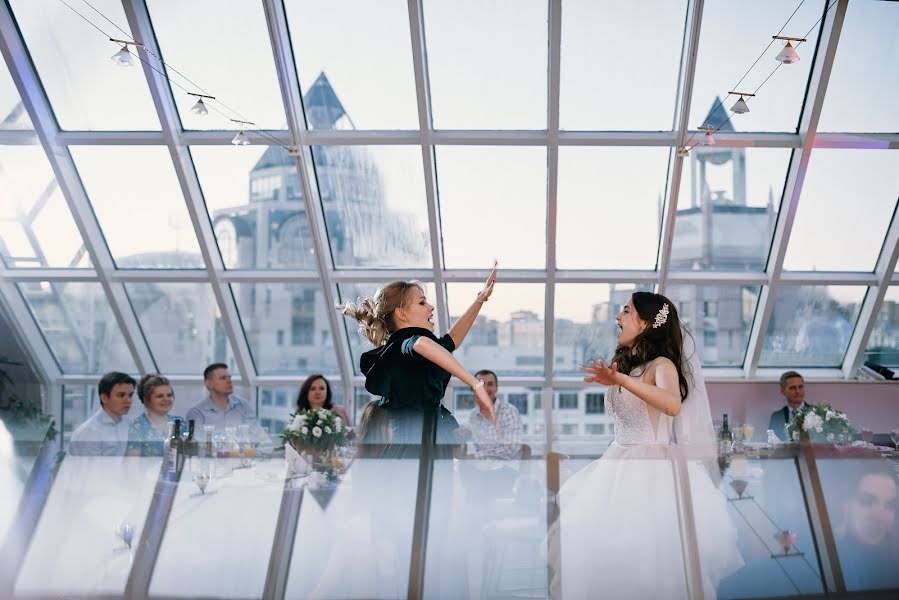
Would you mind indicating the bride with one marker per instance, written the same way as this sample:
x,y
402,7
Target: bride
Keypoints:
x,y
620,530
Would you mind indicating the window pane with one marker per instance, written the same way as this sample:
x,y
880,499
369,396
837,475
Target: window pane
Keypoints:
x,y
352,292
585,326
610,207
374,203
256,207
75,538
719,317
727,208
256,494
468,43
854,234
863,82
182,324
286,325
727,50
138,202
217,44
507,336
482,187
79,326
12,111
365,49
601,91
811,325
36,227
88,91
883,345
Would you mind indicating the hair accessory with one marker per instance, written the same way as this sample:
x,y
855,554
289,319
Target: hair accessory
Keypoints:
x,y
661,317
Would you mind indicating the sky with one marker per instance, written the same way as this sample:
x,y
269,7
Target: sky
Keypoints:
x,y
487,67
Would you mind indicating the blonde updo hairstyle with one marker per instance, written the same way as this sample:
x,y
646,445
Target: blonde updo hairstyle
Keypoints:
x,y
375,313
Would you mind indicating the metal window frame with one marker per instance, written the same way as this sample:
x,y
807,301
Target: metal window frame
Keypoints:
x,y
56,142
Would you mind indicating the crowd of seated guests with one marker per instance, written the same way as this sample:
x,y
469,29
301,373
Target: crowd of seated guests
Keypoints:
x,y
111,432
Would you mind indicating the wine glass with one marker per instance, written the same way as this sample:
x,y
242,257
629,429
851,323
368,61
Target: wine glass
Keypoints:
x,y
894,435
202,479
748,430
126,532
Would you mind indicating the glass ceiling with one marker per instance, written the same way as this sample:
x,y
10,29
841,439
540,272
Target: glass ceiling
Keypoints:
x,y
392,144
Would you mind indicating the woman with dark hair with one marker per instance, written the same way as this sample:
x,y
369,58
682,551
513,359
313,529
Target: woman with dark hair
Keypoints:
x,y
619,516
410,367
315,393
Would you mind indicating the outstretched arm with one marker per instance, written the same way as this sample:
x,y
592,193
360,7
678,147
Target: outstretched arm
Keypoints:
x,y
664,395
460,328
440,356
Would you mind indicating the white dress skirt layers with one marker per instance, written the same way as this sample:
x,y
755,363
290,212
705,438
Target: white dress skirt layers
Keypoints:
x,y
619,534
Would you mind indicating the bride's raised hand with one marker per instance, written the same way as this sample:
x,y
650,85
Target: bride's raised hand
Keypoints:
x,y
600,373
485,293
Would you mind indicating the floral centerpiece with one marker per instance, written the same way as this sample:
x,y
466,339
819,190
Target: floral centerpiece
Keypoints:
x,y
316,433
822,422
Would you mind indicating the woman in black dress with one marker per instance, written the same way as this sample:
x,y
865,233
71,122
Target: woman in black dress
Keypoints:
x,y
410,367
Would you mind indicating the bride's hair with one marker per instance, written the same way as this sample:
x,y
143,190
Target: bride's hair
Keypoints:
x,y
375,313
665,339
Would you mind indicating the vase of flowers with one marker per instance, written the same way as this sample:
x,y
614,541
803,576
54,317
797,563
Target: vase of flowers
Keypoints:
x,y
822,423
315,434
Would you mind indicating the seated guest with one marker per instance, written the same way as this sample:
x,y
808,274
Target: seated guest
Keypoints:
x,y
221,407
105,433
150,429
315,393
792,388
503,441
866,533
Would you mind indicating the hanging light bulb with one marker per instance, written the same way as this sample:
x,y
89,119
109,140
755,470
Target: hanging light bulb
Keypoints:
x,y
740,107
200,107
788,55
123,56
241,138
707,139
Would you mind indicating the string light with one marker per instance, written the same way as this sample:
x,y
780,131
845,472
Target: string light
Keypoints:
x,y
740,107
200,107
123,56
241,138
708,140
788,55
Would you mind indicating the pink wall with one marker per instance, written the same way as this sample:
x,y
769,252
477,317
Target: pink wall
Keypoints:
x,y
874,405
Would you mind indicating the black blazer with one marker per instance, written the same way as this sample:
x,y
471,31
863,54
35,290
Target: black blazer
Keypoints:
x,y
778,422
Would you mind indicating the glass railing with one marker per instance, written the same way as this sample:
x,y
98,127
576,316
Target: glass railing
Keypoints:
x,y
782,522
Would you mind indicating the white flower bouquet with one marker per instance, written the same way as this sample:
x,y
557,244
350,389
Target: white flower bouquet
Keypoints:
x,y
315,431
822,422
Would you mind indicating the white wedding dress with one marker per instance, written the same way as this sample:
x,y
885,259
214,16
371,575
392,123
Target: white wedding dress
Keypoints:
x,y
619,530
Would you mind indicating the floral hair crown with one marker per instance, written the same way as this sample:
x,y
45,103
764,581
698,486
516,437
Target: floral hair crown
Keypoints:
x,y
661,317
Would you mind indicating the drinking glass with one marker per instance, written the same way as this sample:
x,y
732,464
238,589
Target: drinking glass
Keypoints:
x,y
748,430
894,435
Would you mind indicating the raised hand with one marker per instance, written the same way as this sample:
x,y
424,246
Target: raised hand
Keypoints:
x,y
484,294
600,373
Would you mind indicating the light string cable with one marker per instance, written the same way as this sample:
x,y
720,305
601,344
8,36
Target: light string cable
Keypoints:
x,y
745,75
242,119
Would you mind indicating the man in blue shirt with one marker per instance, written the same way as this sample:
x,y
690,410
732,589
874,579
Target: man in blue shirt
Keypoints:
x,y
221,407
106,432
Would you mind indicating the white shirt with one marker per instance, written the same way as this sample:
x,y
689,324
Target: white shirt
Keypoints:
x,y
100,436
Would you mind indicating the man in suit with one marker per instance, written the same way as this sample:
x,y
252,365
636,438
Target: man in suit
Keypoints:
x,y
792,387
